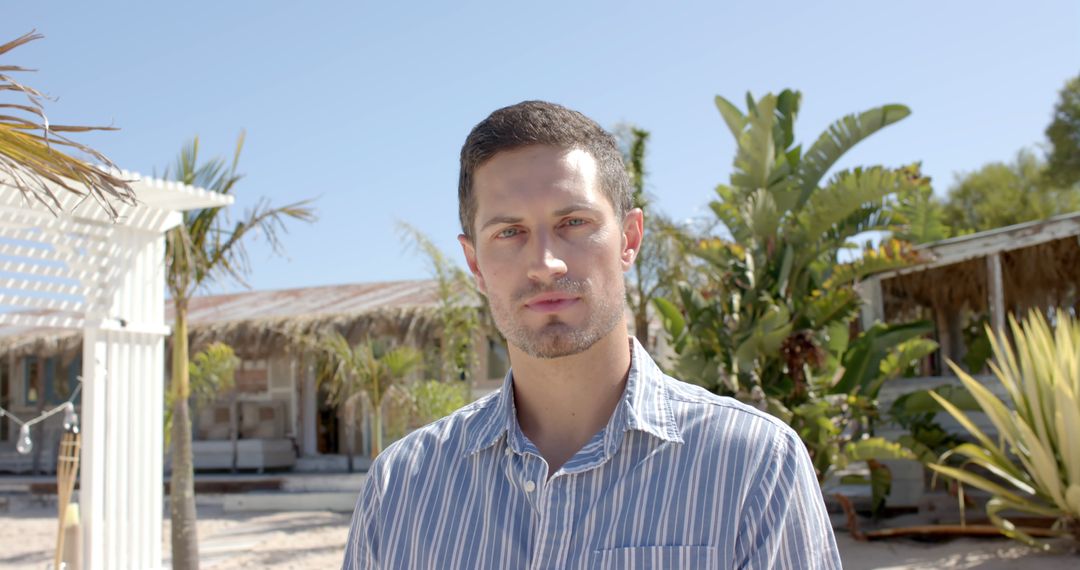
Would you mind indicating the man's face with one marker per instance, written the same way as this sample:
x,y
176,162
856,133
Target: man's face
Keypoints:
x,y
548,251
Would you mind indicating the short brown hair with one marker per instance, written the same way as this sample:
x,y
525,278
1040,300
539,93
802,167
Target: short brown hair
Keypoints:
x,y
541,123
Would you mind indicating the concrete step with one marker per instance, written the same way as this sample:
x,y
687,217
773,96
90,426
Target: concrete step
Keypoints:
x,y
316,501
330,464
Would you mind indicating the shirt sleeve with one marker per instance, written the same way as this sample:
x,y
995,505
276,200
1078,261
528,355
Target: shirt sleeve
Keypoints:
x,y
784,522
361,549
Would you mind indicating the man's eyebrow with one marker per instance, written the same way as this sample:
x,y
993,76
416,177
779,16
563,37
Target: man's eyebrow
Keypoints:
x,y
574,208
500,220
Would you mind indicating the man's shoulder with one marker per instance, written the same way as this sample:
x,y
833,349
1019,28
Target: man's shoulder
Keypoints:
x,y
698,409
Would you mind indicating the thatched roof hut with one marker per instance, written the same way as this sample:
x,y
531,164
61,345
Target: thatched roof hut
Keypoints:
x,y
1034,265
259,323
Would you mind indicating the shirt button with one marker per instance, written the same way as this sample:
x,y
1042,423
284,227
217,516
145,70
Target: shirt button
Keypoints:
x,y
508,451
530,486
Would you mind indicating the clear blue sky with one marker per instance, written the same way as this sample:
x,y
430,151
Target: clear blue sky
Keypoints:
x,y
365,104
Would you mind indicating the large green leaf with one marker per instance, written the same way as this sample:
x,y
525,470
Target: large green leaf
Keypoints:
x,y
840,137
988,460
996,505
920,401
787,109
765,336
965,422
673,321
862,361
989,486
877,448
905,355
761,215
756,153
848,193
880,486
733,117
828,306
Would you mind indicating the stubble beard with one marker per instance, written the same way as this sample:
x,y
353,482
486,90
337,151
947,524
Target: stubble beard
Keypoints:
x,y
557,338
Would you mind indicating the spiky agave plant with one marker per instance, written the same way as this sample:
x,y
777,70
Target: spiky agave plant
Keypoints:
x,y
1034,468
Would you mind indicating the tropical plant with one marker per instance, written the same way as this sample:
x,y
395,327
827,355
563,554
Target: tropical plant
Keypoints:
x,y
366,369
917,411
1034,468
778,292
459,309
837,422
771,321
32,149
432,399
1063,162
211,372
205,247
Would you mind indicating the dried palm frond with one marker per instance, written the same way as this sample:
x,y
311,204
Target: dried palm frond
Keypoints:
x,y
32,150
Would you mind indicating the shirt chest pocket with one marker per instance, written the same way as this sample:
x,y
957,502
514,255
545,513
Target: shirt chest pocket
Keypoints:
x,y
655,557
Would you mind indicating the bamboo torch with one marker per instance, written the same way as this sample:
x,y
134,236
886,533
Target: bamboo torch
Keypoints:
x,y
67,466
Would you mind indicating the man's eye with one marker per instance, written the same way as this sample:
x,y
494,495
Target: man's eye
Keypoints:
x,y
508,233
574,222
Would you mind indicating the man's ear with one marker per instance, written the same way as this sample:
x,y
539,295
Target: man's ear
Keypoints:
x,y
469,250
632,233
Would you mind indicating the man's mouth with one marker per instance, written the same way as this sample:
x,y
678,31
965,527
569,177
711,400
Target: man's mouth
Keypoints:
x,y
550,302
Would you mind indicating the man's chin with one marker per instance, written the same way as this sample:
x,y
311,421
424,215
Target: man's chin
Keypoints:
x,y
551,343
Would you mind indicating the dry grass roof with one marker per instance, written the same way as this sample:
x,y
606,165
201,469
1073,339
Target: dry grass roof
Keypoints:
x,y
261,323
1040,264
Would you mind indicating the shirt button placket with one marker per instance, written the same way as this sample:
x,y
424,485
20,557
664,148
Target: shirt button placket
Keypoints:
x,y
549,544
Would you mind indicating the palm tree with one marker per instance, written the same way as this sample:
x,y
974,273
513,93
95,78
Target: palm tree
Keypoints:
x,y
211,373
205,247
32,157
366,369
459,309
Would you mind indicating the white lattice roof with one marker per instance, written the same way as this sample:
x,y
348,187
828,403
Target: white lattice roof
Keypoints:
x,y
58,269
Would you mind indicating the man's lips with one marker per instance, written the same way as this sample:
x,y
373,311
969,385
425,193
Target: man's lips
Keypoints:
x,y
550,302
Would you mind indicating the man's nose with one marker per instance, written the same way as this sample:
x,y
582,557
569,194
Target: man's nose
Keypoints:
x,y
545,264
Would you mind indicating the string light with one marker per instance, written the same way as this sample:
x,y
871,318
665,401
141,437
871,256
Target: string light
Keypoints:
x,y
25,445
71,421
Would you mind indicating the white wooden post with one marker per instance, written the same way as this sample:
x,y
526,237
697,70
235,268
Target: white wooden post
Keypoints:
x,y
92,468
308,402
873,306
122,454
996,291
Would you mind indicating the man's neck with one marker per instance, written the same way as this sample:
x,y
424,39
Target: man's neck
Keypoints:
x,y
563,402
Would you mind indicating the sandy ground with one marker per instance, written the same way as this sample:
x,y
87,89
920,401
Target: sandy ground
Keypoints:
x,y
293,540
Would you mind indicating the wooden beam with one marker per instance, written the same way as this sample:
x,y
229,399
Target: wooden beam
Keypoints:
x,y
956,250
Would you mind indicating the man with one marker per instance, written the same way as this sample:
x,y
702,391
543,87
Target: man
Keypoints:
x,y
589,456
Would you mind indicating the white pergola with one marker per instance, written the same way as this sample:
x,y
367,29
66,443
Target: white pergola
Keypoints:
x,y
82,270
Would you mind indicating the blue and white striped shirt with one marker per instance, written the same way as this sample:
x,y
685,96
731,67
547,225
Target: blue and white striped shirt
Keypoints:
x,y
679,478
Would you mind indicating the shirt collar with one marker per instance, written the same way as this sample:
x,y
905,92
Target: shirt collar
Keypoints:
x,y
645,406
